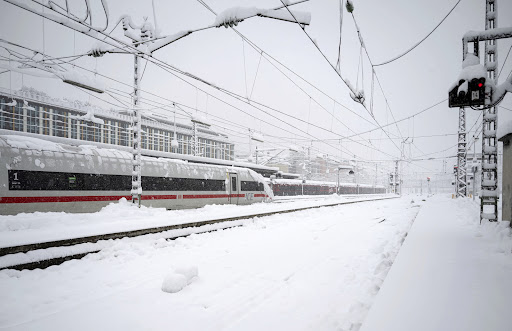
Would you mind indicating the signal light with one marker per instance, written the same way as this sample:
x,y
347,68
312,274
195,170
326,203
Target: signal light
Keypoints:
x,y
468,93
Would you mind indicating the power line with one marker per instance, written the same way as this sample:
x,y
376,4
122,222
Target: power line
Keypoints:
x,y
162,63
338,73
266,54
419,42
503,65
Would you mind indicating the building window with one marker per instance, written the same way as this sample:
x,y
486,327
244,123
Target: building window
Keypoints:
x,y
60,121
46,120
33,119
6,115
123,134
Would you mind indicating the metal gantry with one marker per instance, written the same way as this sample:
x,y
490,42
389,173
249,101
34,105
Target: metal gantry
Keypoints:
x,y
461,183
489,175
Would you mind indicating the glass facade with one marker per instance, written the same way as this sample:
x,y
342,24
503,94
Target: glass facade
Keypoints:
x,y
46,119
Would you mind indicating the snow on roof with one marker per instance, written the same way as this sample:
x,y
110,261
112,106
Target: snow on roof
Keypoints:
x,y
30,143
52,143
470,72
470,60
504,128
37,96
89,117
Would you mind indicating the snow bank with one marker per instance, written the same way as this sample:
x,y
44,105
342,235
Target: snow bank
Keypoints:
x,y
173,283
179,278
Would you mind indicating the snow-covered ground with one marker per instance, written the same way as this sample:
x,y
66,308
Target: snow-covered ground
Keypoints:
x,y
451,274
319,269
312,270
122,216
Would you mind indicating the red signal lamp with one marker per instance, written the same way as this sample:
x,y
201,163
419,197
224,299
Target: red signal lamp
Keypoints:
x,y
480,84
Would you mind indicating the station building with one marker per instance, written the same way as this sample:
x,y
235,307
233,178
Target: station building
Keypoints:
x,y
36,112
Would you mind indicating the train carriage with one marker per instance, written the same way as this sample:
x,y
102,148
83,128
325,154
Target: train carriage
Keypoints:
x,y
291,187
37,175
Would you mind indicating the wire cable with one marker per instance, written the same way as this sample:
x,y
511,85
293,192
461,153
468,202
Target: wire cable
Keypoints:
x,y
419,42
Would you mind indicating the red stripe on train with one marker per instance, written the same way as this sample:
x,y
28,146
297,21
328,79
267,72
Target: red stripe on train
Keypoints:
x,y
211,196
79,198
115,198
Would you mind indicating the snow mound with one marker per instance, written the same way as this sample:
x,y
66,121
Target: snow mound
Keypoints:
x,y
189,272
470,60
179,278
174,283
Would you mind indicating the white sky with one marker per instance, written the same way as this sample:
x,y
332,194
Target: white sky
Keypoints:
x,y
418,80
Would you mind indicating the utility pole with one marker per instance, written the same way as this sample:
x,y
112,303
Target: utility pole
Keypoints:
x,y
146,39
376,174
137,135
461,182
489,172
195,143
396,177
474,166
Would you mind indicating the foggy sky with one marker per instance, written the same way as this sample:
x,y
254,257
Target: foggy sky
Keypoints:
x,y
412,83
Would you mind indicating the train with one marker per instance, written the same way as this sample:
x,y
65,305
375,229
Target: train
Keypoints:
x,y
38,175
293,187
44,176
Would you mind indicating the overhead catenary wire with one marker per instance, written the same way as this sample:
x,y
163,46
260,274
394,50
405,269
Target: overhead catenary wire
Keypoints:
x,y
190,76
337,72
151,93
270,57
420,41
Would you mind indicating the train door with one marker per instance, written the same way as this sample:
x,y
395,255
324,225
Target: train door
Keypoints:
x,y
233,188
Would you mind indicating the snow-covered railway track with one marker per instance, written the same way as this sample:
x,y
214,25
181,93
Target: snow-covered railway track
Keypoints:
x,y
44,254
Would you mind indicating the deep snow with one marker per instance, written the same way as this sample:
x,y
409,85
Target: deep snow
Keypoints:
x,y
320,269
313,270
451,274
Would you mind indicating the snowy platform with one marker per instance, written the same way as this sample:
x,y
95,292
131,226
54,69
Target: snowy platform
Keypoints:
x,y
450,274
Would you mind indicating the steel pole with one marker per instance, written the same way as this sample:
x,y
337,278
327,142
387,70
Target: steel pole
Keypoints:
x,y
137,136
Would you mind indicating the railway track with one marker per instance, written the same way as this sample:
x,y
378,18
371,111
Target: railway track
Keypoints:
x,y
83,245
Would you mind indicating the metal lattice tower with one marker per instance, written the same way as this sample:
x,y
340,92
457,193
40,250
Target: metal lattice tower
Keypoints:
x,y
489,177
137,137
396,181
461,155
195,138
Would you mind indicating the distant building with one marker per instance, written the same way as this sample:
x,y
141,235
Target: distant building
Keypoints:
x,y
37,113
505,136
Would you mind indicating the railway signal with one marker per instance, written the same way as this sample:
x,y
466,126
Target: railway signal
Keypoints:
x,y
468,93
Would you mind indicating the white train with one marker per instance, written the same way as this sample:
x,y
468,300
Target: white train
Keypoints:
x,y
294,187
37,175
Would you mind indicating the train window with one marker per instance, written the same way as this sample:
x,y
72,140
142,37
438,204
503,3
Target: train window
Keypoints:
x,y
72,181
233,184
251,186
